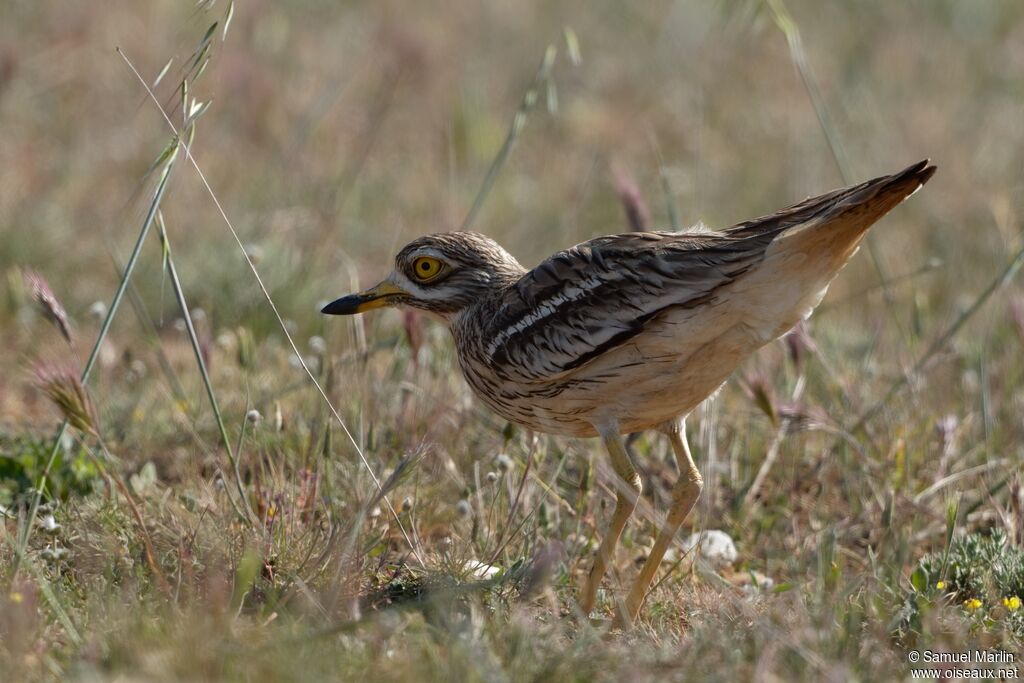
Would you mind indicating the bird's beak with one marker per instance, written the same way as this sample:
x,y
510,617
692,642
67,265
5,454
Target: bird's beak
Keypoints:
x,y
375,297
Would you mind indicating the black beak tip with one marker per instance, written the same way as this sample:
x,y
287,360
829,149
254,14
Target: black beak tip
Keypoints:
x,y
346,305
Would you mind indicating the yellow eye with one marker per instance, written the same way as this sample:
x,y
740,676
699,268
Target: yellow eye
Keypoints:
x,y
426,268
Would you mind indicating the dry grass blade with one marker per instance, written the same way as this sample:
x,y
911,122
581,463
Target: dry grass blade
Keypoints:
x,y
67,392
529,102
46,589
782,424
1003,278
273,307
784,20
122,287
179,296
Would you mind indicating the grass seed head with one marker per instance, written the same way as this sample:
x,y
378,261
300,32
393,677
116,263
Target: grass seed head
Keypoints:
x,y
51,307
63,387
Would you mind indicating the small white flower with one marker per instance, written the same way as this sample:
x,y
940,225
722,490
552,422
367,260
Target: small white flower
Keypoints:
x,y
463,508
98,310
253,417
317,344
227,341
504,462
492,477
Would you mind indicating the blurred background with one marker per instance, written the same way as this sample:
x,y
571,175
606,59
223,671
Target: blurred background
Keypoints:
x,y
337,131
340,130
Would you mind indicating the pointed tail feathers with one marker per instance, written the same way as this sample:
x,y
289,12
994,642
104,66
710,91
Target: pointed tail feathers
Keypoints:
x,y
811,242
851,209
860,206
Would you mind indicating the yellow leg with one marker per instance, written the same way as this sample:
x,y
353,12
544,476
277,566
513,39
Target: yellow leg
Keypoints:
x,y
684,495
628,491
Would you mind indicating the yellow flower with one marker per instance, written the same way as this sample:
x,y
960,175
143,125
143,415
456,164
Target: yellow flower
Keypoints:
x,y
1012,604
941,585
17,597
972,604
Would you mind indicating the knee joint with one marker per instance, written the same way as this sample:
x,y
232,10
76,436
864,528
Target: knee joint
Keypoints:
x,y
690,486
630,490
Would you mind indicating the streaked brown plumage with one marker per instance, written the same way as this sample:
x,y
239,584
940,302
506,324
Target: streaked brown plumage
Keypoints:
x,y
630,332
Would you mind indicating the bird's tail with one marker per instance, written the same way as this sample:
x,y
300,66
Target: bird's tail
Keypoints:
x,y
849,211
811,242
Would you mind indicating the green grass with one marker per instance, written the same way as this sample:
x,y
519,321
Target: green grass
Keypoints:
x,y
334,134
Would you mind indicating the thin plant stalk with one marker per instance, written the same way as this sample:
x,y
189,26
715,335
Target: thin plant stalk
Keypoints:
x,y
530,98
273,307
776,446
791,31
179,294
122,286
997,283
152,336
45,589
147,541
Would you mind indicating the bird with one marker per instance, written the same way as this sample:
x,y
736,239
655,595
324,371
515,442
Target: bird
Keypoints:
x,y
630,332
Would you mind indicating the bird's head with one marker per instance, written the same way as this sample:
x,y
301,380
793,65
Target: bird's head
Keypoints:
x,y
440,274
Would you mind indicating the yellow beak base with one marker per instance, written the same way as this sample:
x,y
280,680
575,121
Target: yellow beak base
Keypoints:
x,y
375,297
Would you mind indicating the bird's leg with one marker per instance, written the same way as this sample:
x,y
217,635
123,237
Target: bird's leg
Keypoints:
x,y
685,493
627,492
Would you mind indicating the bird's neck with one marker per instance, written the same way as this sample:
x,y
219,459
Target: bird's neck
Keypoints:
x,y
478,315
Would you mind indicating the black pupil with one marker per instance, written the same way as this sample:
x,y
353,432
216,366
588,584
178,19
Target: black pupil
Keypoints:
x,y
424,266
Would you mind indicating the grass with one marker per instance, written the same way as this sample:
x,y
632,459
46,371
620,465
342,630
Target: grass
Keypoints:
x,y
348,510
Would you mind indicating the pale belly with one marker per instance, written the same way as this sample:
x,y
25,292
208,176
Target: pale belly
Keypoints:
x,y
660,375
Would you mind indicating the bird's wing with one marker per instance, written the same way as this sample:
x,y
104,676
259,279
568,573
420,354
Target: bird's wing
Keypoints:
x,y
587,300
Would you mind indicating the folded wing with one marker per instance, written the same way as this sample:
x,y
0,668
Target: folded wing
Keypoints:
x,y
587,300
